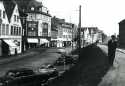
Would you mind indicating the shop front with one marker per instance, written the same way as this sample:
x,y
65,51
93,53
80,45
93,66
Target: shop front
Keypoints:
x,y
60,42
32,42
53,43
44,42
14,46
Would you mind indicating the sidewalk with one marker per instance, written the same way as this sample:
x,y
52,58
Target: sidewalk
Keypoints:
x,y
116,76
121,50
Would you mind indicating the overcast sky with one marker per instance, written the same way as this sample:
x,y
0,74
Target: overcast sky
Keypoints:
x,y
104,14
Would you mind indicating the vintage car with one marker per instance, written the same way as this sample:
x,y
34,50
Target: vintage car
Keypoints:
x,y
65,60
49,69
23,77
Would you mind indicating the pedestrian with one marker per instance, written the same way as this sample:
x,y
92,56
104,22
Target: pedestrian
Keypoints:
x,y
112,45
15,51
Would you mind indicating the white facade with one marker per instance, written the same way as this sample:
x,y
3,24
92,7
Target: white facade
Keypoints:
x,y
4,24
67,32
92,34
16,30
41,20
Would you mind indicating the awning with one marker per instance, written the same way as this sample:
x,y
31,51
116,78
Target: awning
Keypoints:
x,y
62,39
42,41
32,40
53,39
10,43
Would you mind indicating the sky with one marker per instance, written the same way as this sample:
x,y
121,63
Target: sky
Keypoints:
x,y
104,14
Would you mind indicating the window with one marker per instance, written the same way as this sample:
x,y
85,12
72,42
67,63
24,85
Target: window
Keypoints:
x,y
31,33
15,18
0,29
7,29
3,29
12,30
45,29
16,33
3,14
19,30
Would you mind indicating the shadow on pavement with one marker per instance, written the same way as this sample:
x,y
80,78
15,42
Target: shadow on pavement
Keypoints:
x,y
91,67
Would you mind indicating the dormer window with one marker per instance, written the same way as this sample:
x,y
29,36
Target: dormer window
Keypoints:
x,y
32,8
3,14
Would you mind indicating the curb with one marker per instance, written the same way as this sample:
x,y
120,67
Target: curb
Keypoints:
x,y
119,50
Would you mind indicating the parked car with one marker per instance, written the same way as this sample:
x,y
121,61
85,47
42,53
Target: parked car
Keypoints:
x,y
13,73
22,77
49,69
65,59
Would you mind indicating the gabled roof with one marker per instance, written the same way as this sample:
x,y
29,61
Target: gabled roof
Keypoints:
x,y
122,21
34,3
9,7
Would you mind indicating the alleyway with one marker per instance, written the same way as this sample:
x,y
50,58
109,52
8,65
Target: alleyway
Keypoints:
x,y
92,66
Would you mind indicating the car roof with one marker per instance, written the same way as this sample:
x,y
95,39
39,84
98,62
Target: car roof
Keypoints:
x,y
20,70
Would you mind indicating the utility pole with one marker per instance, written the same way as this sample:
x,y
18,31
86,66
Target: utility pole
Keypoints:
x,y
79,31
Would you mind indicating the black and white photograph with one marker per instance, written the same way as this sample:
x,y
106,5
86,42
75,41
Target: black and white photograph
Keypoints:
x,y
62,43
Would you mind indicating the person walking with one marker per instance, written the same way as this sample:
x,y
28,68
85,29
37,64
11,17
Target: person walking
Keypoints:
x,y
112,45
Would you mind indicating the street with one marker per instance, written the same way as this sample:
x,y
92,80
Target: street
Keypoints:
x,y
90,69
34,61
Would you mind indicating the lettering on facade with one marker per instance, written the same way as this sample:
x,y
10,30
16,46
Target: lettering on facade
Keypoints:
x,y
32,28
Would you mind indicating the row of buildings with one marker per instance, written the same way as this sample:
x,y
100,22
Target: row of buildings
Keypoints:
x,y
31,25
92,35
